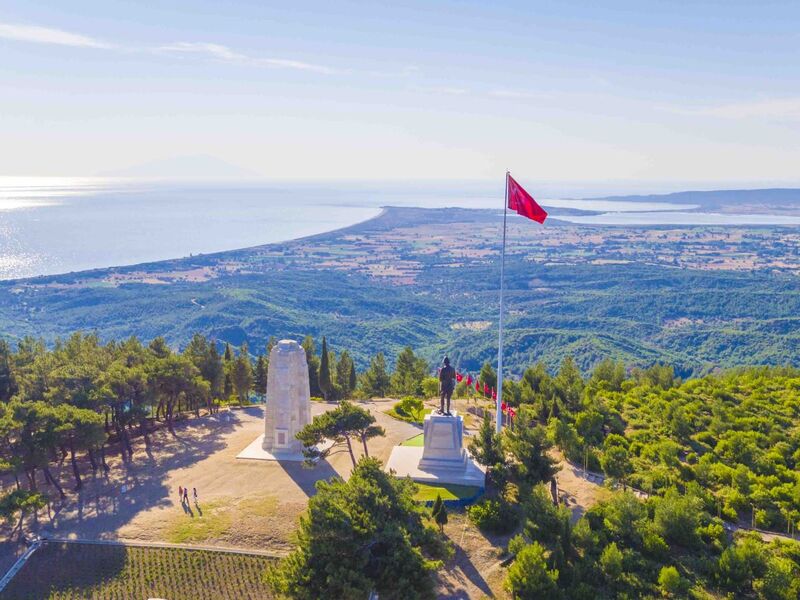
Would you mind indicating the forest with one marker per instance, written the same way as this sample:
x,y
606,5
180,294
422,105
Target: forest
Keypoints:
x,y
429,279
696,469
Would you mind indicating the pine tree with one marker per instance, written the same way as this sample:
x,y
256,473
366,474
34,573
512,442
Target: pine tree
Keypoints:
x,y
325,383
343,370
353,379
375,381
409,373
242,375
439,513
486,447
260,378
313,365
227,387
8,382
437,506
488,375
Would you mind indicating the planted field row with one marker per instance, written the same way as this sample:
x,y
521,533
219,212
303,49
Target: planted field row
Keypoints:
x,y
83,571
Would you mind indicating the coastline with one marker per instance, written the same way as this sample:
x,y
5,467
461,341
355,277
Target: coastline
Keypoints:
x,y
43,278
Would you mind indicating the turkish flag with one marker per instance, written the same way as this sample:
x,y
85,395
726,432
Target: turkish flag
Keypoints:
x,y
486,389
523,203
459,377
477,386
469,379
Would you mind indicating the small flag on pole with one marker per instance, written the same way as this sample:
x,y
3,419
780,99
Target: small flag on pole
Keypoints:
x,y
523,203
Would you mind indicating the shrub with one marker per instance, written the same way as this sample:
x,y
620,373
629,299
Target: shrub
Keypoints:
x,y
529,576
654,545
495,516
408,409
430,387
670,581
611,562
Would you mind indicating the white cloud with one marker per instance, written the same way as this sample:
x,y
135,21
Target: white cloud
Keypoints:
x,y
782,108
226,54
46,35
444,90
517,94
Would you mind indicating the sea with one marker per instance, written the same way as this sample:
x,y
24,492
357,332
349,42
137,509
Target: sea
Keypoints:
x,y
60,224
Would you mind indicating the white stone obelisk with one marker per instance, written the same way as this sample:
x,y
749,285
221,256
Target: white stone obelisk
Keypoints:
x,y
288,407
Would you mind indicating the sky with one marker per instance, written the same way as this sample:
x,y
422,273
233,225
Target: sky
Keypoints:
x,y
676,92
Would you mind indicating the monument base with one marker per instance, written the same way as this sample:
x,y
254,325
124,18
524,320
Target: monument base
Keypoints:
x,y
255,451
405,461
442,458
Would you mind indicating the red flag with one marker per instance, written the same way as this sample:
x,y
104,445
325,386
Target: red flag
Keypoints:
x,y
503,406
459,377
486,389
512,413
469,379
477,386
523,203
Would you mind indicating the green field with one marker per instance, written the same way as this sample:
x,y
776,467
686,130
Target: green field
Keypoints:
x,y
428,493
417,441
77,571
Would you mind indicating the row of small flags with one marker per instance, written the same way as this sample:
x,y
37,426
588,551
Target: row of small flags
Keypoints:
x,y
488,392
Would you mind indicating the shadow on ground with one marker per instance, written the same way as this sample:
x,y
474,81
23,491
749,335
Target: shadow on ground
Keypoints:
x,y
305,477
108,501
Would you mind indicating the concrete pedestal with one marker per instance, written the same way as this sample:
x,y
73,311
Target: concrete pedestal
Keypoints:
x,y
442,458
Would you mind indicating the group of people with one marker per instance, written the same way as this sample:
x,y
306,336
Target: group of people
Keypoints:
x,y
183,494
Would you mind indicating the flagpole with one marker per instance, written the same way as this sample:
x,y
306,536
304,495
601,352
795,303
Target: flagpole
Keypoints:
x,y
499,418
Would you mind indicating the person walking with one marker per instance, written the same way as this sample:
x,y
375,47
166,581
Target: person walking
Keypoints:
x,y
180,493
186,495
194,494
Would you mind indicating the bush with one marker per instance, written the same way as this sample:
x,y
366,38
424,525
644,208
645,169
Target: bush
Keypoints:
x,y
408,409
430,387
495,516
611,562
529,576
670,582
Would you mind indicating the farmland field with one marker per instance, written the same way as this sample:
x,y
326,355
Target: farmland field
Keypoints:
x,y
78,571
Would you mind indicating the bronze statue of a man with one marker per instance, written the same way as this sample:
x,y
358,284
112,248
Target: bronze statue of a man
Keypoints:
x,y
447,385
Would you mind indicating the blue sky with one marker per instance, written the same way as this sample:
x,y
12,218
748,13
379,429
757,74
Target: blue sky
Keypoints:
x,y
558,91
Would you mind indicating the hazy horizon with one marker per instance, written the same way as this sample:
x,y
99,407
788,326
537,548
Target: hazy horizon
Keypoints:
x,y
581,93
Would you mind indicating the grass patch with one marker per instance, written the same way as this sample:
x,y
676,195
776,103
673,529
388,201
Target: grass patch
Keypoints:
x,y
79,571
416,441
427,492
211,521
259,506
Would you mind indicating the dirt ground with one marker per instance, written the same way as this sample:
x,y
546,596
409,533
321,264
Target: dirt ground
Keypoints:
x,y
255,504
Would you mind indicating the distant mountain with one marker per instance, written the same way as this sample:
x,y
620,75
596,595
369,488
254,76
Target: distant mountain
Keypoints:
x,y
200,166
783,200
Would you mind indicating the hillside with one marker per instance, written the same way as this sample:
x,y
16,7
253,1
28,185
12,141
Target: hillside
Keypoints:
x,y
698,297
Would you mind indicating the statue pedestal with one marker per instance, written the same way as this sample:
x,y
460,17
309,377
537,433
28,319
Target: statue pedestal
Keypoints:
x,y
443,446
442,458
